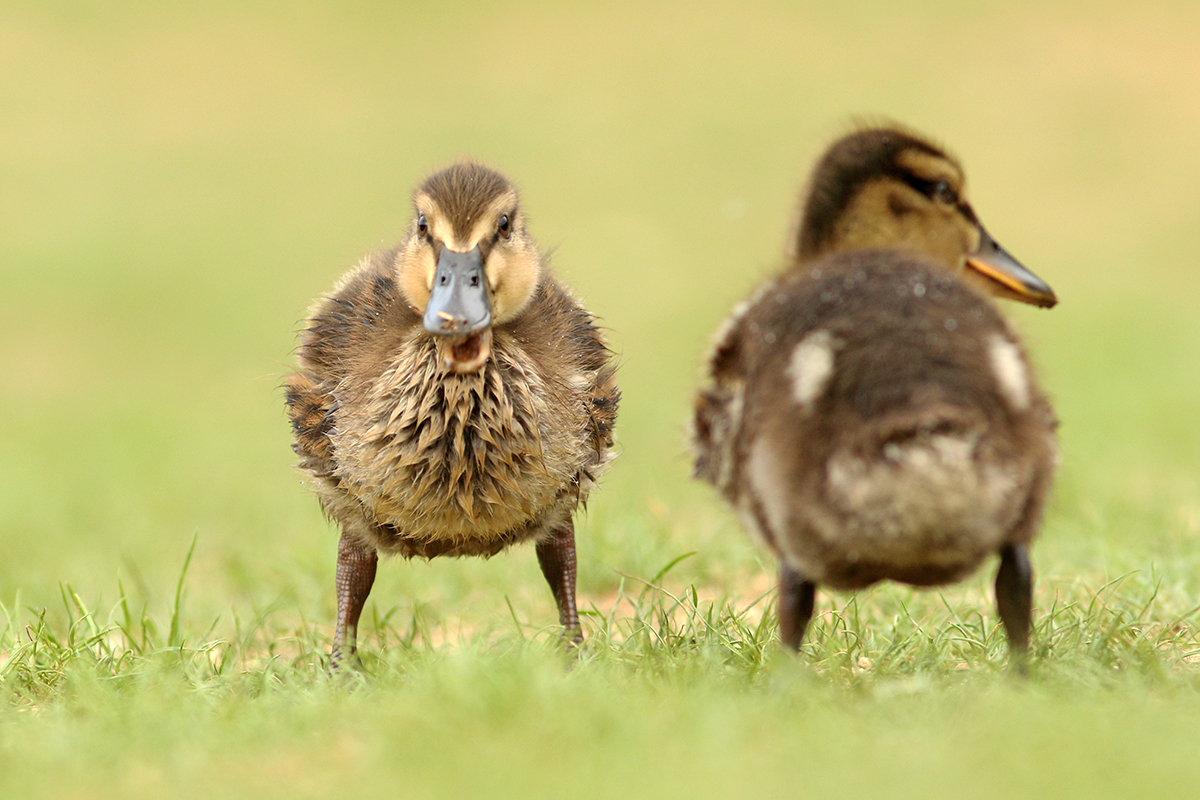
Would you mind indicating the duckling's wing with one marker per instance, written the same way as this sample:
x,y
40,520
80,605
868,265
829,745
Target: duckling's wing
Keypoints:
x,y
351,325
591,362
718,406
603,394
357,322
310,410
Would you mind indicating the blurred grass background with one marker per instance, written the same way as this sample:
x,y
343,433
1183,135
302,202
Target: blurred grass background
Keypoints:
x,y
178,181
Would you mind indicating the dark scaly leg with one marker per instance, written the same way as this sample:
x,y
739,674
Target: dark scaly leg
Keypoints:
x,y
1014,600
355,574
796,596
556,556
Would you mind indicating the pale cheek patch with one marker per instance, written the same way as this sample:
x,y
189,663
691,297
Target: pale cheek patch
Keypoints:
x,y
810,366
1010,371
416,269
513,277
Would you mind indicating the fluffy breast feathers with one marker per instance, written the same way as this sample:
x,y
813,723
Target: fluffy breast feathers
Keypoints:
x,y
427,461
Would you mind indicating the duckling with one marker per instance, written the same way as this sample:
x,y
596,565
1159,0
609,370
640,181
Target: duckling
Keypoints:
x,y
452,397
870,414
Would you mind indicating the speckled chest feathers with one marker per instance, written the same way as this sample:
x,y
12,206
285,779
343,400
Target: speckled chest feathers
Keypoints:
x,y
443,454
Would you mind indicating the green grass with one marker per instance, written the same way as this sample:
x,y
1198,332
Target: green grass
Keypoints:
x,y
177,183
672,694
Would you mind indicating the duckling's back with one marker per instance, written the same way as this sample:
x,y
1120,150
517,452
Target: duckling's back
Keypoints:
x,y
873,417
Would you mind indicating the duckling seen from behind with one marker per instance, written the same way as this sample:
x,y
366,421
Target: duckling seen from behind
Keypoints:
x,y
870,414
452,398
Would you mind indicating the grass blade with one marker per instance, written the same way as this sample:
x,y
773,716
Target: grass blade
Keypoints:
x,y
174,638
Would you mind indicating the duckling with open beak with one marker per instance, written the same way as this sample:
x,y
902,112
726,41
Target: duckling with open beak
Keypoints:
x,y
452,397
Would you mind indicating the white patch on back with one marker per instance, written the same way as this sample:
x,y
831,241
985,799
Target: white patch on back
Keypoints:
x,y
769,479
1010,371
810,366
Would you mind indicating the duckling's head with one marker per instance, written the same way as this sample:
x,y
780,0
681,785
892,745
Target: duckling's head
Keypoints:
x,y
884,187
468,263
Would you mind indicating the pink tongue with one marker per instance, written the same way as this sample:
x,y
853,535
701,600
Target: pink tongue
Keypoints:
x,y
466,351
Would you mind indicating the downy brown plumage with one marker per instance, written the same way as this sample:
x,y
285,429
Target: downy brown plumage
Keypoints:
x,y
452,397
870,414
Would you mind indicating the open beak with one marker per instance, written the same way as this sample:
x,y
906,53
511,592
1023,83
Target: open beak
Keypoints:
x,y
459,304
459,311
1006,277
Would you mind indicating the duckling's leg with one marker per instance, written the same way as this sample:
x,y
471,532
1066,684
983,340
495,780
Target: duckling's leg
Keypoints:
x,y
556,555
355,574
796,596
1014,599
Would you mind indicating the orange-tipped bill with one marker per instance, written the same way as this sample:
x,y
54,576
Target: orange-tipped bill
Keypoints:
x,y
1005,275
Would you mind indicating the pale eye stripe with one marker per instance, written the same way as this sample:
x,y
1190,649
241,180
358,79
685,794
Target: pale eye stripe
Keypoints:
x,y
810,366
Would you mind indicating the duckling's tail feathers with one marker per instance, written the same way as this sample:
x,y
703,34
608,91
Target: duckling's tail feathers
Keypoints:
x,y
923,486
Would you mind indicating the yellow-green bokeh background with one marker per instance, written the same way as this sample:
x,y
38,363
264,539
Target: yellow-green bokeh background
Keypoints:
x,y
179,180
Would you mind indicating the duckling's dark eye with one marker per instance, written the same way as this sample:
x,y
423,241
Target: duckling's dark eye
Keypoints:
x,y
943,192
422,225
934,190
504,226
